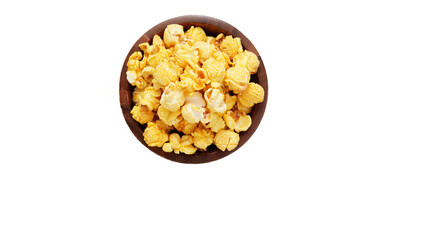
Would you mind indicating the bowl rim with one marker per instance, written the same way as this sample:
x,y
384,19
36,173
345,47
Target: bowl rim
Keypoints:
x,y
212,153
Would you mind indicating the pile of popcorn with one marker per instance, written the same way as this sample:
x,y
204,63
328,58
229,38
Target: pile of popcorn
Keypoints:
x,y
193,90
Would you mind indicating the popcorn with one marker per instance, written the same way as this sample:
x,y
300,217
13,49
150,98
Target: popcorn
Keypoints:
x,y
226,140
247,60
195,85
215,70
155,136
173,34
167,116
203,138
165,73
185,126
142,114
237,120
192,113
253,94
216,122
215,100
172,98
205,50
231,46
237,79
195,34
180,144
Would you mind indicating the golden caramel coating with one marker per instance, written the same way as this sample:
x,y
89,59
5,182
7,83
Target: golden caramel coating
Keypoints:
x,y
203,137
180,144
231,46
165,73
230,101
155,136
253,94
167,116
216,122
237,120
237,79
215,100
193,113
226,140
195,34
214,69
195,85
185,126
172,98
173,34
142,114
205,50
247,60
149,97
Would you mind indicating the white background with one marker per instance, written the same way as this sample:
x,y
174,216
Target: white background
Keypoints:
x,y
340,153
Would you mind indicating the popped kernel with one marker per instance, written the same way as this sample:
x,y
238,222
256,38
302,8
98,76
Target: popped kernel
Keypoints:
x,y
253,94
215,100
155,136
237,79
226,140
194,87
231,46
203,137
172,98
173,34
142,114
237,120
215,70
180,144
167,116
165,73
247,60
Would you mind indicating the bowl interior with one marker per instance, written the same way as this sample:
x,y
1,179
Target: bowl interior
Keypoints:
x,y
212,27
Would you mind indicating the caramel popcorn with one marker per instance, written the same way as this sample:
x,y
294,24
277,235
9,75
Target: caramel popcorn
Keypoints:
x,y
195,87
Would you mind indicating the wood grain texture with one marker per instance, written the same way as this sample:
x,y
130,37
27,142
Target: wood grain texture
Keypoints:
x,y
212,27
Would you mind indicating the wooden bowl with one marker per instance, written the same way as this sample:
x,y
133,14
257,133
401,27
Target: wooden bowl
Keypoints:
x,y
212,27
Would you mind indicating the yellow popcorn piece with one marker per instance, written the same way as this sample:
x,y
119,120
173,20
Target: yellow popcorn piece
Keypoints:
x,y
149,97
231,46
172,98
215,100
190,82
167,116
253,94
165,73
157,41
185,126
223,58
148,73
237,120
134,70
142,114
237,79
205,50
216,122
158,55
202,138
230,101
155,136
226,140
247,60
193,113
196,98
195,34
215,70
180,144
185,55
173,34
242,107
